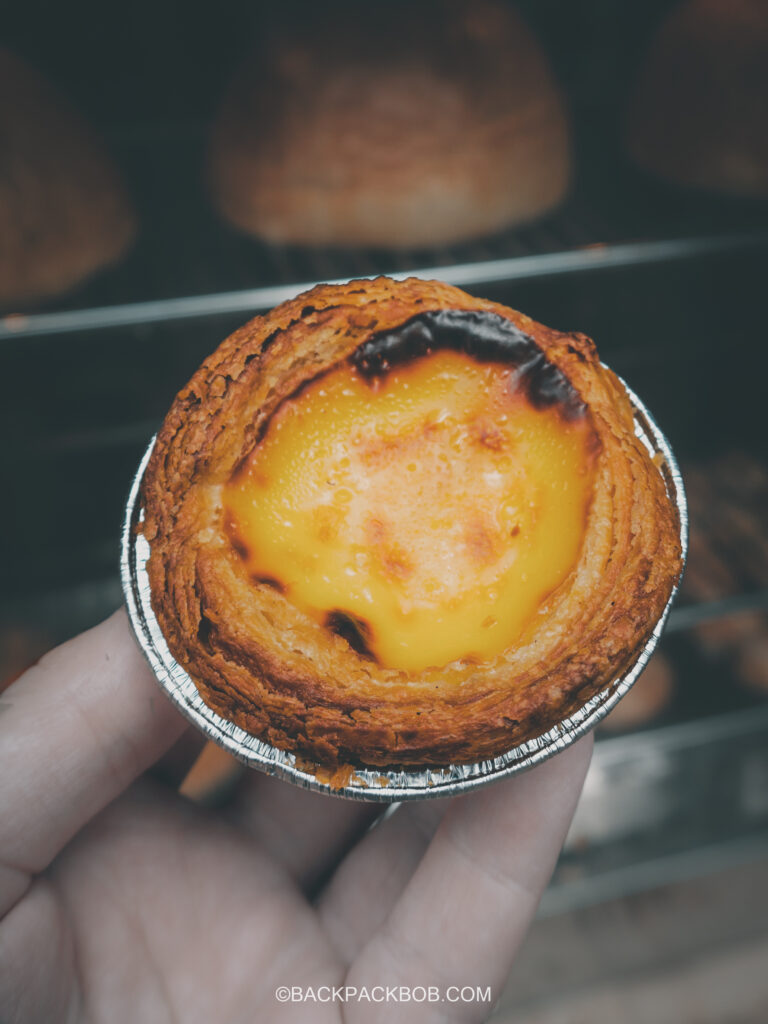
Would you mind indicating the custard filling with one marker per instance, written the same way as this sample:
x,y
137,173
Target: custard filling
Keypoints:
x,y
424,513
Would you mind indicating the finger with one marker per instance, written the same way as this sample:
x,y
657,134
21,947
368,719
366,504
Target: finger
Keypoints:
x,y
75,730
350,907
306,832
465,912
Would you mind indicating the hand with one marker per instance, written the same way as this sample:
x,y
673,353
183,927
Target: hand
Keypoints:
x,y
123,902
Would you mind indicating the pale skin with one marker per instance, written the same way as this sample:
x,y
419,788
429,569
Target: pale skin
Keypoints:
x,y
120,901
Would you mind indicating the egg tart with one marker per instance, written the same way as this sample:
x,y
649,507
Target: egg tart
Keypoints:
x,y
394,525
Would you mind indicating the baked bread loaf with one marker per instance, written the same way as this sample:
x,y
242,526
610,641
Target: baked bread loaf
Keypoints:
x,y
64,213
413,125
698,114
391,524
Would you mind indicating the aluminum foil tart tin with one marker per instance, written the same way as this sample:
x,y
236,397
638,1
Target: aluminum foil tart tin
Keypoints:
x,y
376,784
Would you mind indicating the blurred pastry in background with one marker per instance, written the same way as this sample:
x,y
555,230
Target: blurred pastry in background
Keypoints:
x,y
752,660
212,776
698,116
64,213
728,558
648,698
392,125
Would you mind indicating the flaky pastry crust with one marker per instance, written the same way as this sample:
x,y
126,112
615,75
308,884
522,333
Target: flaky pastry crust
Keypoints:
x,y
262,663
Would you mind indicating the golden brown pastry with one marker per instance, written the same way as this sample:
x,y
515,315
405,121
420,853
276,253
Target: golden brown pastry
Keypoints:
x,y
63,210
405,125
393,524
698,115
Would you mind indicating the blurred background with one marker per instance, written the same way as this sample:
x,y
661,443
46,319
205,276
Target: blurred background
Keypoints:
x,y
166,172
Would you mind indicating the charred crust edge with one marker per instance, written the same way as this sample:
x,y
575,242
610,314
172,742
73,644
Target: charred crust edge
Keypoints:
x,y
353,629
486,337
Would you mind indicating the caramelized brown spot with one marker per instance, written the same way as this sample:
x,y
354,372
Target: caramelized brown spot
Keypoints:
x,y
353,629
486,337
480,542
328,521
269,581
396,563
382,451
375,531
390,555
236,540
489,436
